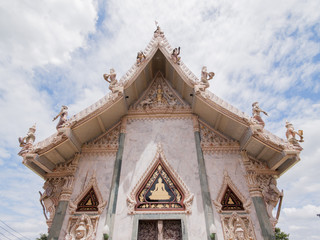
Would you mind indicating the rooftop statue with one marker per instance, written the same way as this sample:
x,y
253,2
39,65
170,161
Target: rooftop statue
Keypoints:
x,y
291,134
140,58
63,114
205,77
256,110
158,32
114,86
27,142
175,55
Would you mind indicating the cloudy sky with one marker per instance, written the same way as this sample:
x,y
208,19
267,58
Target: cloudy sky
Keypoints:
x,y
54,53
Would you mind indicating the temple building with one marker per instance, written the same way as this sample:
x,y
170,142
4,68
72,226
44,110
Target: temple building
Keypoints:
x,y
161,157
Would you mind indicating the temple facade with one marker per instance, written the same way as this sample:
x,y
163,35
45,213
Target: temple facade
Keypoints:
x,y
161,157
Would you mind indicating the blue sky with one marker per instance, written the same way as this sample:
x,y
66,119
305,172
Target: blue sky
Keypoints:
x,y
54,53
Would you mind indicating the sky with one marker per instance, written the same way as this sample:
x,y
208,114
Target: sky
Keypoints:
x,y
54,53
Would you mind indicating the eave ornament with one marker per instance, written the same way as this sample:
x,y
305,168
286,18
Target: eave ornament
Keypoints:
x,y
160,190
256,114
291,135
204,83
26,143
63,121
115,87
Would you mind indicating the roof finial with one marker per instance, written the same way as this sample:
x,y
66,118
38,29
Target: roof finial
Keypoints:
x,y
158,32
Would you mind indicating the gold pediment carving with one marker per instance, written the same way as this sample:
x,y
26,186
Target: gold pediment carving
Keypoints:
x,y
160,97
160,189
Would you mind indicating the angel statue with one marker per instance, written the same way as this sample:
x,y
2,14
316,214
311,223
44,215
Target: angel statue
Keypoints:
x,y
114,86
175,55
63,114
158,32
256,110
291,134
140,58
205,77
27,142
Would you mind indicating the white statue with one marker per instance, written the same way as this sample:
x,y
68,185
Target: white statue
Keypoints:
x,y
291,134
140,58
271,196
256,110
158,32
175,55
114,86
204,83
63,114
27,142
49,198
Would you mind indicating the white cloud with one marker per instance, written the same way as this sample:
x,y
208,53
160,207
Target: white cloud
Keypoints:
x,y
264,50
41,32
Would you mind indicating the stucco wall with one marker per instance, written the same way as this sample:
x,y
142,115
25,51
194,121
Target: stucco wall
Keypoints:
x,y
89,163
216,164
177,139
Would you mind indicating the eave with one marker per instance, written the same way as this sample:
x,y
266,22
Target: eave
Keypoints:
x,y
108,111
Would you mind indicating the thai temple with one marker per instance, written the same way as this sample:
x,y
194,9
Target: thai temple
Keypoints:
x,y
160,157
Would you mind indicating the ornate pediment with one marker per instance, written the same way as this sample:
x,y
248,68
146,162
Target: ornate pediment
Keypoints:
x,y
90,200
160,97
160,189
230,198
107,141
213,140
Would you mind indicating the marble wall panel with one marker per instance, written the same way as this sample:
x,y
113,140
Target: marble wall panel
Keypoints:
x,y
216,164
100,164
177,139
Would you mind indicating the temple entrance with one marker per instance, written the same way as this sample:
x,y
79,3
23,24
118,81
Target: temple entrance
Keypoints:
x,y
159,230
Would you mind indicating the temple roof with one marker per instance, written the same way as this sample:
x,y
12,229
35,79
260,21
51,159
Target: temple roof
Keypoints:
x,y
102,116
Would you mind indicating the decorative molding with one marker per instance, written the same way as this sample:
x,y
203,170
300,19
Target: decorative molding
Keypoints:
x,y
123,126
213,141
237,227
58,187
146,117
196,125
187,196
82,227
262,183
227,182
92,184
108,141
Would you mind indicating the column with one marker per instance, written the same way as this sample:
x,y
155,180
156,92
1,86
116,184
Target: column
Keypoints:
x,y
113,197
206,199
